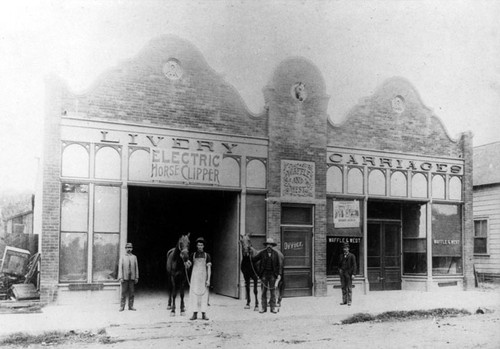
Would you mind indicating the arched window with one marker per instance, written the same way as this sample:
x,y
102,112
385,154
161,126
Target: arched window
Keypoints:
x,y
419,186
256,174
107,163
334,180
398,184
75,161
229,172
376,183
355,181
438,187
139,165
455,188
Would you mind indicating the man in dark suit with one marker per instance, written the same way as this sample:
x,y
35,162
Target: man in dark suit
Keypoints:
x,y
128,275
347,268
269,273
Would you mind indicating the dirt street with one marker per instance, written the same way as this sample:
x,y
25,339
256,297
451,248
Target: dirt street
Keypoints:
x,y
475,331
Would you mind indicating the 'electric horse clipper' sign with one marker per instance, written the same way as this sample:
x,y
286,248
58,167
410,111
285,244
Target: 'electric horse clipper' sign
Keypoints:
x,y
185,166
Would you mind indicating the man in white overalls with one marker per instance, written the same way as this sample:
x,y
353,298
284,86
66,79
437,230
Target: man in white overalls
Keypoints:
x,y
200,280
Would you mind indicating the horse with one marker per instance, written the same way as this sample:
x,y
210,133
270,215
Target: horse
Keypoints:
x,y
249,271
177,273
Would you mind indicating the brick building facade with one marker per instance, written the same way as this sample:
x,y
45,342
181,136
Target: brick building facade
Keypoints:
x,y
162,145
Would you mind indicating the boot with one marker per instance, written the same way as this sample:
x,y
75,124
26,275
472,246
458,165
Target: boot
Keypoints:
x,y
204,316
195,315
122,303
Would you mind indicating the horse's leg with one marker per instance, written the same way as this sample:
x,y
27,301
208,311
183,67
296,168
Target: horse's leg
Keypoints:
x,y
174,294
169,290
181,290
247,291
255,292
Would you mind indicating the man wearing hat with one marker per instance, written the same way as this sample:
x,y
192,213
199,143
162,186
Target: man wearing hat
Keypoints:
x,y
128,275
269,273
347,267
200,280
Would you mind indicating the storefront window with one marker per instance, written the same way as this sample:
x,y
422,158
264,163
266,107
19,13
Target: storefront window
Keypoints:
x,y
107,209
73,257
455,188
139,166
414,239
334,249
74,207
256,174
105,259
446,239
74,236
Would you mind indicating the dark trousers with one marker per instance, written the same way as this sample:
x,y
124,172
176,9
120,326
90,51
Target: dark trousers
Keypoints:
x,y
267,283
127,290
346,282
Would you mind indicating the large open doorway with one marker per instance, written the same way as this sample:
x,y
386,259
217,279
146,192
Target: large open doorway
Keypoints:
x,y
157,217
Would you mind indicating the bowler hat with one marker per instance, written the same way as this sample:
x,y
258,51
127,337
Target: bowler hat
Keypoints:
x,y
346,244
270,241
200,239
128,244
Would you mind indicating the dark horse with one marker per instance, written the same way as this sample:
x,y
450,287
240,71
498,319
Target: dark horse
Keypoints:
x,y
177,273
249,271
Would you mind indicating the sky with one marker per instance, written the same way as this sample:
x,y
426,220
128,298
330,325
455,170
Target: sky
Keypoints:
x,y
448,50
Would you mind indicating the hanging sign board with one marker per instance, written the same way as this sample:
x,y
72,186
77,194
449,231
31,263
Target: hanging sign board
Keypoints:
x,y
346,214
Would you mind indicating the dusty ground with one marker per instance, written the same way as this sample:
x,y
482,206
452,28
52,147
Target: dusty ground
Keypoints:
x,y
308,322
475,331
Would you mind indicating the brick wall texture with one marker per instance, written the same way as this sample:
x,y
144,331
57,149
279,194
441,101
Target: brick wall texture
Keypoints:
x,y
138,92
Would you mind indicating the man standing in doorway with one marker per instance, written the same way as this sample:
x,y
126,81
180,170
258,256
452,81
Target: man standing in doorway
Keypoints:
x,y
128,275
200,280
269,274
347,268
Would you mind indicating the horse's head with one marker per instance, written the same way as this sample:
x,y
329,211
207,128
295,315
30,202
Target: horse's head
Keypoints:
x,y
246,244
183,246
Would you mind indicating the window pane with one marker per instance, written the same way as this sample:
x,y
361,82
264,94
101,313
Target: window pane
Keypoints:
x,y
334,180
415,263
355,181
446,265
446,239
256,174
419,186
139,166
229,174
105,259
73,257
480,245
107,163
75,161
480,228
398,184
438,187
74,207
414,221
376,183
296,215
255,222
107,209
455,188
